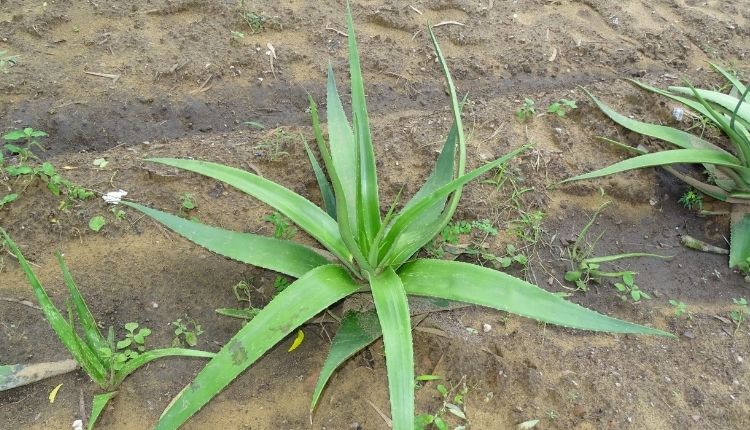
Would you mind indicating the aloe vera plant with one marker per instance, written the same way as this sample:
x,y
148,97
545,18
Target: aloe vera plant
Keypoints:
x,y
727,171
365,253
96,354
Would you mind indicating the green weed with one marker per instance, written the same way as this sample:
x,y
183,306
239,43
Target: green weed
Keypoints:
x,y
526,111
562,107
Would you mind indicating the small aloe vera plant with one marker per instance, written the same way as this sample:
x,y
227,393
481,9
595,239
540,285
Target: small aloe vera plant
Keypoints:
x,y
366,253
97,355
727,171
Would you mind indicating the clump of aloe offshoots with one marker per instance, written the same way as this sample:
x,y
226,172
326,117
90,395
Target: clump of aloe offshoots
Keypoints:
x,y
366,253
106,361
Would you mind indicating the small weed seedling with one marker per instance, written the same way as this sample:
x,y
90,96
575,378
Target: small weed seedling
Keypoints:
x,y
679,309
7,61
96,223
106,361
275,142
46,172
187,202
258,21
587,269
692,199
740,313
453,404
242,293
526,111
8,198
118,213
186,332
562,107
282,227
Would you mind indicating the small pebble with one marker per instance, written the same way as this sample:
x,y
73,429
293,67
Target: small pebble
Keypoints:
x,y
689,334
486,327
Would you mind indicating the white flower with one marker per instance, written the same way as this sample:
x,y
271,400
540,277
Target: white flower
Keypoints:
x,y
114,197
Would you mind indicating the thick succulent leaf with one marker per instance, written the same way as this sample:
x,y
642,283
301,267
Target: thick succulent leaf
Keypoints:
x,y
468,283
80,351
615,257
368,200
94,338
97,407
393,312
739,242
662,158
329,201
357,330
397,244
297,303
724,100
281,256
144,358
343,150
668,134
16,375
301,211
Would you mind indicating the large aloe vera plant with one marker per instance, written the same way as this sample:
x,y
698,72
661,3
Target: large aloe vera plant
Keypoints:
x,y
366,252
727,170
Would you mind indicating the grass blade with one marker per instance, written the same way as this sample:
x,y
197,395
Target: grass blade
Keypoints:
x,y
357,330
297,303
329,201
393,311
281,256
80,351
674,156
99,403
299,210
367,180
94,338
468,283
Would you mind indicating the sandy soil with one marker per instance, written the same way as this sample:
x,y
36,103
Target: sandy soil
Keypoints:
x,y
185,87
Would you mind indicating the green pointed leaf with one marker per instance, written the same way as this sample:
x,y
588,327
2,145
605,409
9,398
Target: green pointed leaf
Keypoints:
x,y
138,360
287,311
724,100
675,156
369,202
329,201
674,136
453,280
80,351
281,256
301,211
739,242
94,338
343,151
97,407
729,77
393,311
357,330
400,246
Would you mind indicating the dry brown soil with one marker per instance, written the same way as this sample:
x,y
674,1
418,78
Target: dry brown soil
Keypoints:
x,y
186,87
